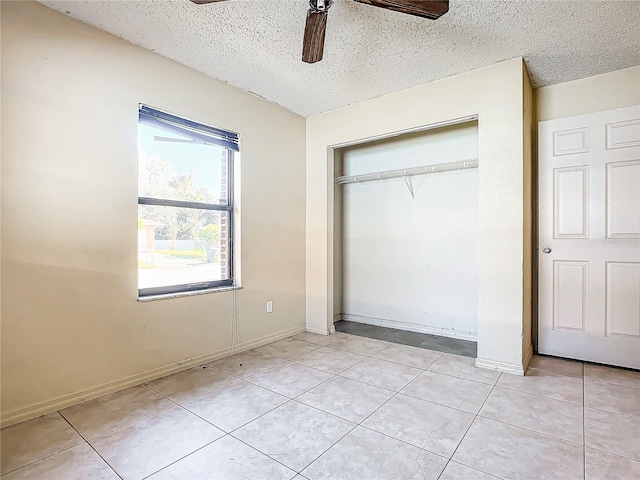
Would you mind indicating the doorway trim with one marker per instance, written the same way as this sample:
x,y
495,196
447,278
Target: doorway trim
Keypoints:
x,y
500,97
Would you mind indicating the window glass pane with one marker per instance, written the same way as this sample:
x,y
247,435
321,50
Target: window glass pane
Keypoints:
x,y
180,246
171,167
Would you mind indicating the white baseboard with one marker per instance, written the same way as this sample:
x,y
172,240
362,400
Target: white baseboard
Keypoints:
x,y
412,327
314,329
49,406
337,317
511,368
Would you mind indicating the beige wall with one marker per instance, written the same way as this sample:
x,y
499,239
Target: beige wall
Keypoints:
x,y
495,94
589,95
71,325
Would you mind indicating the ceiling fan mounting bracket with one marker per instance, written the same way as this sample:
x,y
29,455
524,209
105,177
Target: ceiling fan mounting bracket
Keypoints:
x,y
320,5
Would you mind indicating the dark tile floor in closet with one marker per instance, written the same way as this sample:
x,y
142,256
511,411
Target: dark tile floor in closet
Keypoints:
x,y
423,340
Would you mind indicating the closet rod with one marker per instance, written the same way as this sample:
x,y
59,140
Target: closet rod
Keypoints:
x,y
407,172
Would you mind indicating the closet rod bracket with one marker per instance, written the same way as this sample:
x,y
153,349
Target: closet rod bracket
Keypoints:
x,y
409,183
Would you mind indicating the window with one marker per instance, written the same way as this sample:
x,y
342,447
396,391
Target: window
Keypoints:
x,y
185,204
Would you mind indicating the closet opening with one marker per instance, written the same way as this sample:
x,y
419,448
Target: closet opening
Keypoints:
x,y
405,244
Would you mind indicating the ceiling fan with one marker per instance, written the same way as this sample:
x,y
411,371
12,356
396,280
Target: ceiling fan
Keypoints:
x,y
314,30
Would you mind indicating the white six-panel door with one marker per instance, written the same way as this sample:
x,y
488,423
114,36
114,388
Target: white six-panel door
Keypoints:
x,y
589,237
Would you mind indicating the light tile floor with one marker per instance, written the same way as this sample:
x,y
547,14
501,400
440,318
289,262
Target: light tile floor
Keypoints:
x,y
344,407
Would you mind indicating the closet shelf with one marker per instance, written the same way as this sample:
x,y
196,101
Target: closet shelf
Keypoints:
x,y
408,172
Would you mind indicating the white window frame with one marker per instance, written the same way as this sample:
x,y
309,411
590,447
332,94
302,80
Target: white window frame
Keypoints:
x,y
210,135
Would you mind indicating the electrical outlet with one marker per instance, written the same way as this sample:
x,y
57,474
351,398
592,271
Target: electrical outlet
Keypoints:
x,y
269,306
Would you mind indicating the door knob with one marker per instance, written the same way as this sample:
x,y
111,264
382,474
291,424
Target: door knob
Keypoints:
x,y
546,249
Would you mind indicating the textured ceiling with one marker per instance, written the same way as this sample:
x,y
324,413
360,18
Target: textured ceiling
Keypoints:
x,y
256,44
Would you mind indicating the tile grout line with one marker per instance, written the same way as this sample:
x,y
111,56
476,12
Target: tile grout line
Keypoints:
x,y
246,379
583,374
292,359
236,376
224,431
397,439
372,356
83,441
295,399
398,363
423,371
400,440
289,400
176,404
529,429
532,431
360,353
557,374
461,378
262,453
358,425
602,382
299,472
212,365
378,386
121,426
612,384
583,445
539,395
618,367
182,458
614,454
296,396
493,385
87,441
215,363
126,424
469,428
91,446
394,394
333,373
214,441
321,345
215,426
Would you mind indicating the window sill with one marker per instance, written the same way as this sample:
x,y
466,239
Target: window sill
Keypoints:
x,y
150,298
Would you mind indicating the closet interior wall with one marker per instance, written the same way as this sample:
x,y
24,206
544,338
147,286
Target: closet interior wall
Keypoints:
x,y
405,248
